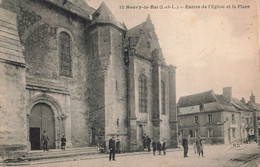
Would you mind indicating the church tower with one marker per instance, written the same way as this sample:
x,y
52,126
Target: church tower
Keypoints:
x,y
105,36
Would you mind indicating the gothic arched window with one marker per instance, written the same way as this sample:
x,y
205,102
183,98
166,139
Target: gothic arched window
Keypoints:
x,y
163,97
65,54
142,93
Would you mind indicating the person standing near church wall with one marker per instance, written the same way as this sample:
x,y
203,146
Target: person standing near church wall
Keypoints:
x,y
112,147
45,140
63,143
118,142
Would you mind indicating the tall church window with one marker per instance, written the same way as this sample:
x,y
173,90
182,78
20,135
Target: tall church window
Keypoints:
x,y
65,53
142,94
163,97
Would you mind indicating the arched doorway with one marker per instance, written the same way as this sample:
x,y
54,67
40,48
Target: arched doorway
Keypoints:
x,y
41,119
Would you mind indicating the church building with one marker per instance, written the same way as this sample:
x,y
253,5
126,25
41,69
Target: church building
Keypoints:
x,y
72,70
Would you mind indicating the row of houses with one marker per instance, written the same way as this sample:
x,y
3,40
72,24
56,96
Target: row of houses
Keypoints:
x,y
218,118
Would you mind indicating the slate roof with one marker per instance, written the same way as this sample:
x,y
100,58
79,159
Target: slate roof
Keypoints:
x,y
239,105
79,7
140,35
197,99
212,102
104,15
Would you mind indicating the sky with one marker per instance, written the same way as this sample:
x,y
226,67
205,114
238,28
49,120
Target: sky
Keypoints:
x,y
211,48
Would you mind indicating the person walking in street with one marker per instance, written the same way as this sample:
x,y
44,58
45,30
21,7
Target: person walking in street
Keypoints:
x,y
154,146
159,147
148,142
200,146
118,141
63,143
185,146
164,147
45,140
112,147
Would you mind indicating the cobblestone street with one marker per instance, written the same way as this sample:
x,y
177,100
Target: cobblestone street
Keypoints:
x,y
215,156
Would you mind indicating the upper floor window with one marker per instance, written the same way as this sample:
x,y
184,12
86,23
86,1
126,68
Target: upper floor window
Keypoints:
x,y
196,119
233,119
142,93
65,54
163,97
210,118
210,133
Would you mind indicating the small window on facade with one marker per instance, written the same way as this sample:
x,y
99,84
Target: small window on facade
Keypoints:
x,y
142,94
181,121
163,97
247,121
210,132
201,106
233,132
233,119
148,45
210,118
191,134
196,133
258,118
65,54
196,119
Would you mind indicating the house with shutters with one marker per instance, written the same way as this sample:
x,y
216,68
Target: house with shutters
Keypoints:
x,y
218,118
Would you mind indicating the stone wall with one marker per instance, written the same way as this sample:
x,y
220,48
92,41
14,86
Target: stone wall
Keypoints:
x,y
12,87
116,89
39,32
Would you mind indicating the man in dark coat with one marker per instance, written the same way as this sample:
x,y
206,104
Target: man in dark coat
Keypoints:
x,y
154,146
144,141
164,147
148,142
159,147
45,140
185,146
112,148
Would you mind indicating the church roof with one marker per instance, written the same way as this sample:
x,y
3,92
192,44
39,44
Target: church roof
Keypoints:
x,y
79,7
144,39
104,15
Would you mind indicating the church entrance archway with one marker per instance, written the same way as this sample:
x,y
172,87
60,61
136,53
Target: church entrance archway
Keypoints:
x,y
42,118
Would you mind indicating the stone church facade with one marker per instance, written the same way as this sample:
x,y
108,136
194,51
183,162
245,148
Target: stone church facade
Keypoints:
x,y
72,70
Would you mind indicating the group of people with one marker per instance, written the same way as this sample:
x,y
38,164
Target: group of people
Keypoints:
x,y
146,142
159,146
45,140
114,147
197,146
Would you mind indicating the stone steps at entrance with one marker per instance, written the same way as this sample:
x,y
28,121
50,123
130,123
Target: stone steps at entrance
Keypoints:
x,y
58,153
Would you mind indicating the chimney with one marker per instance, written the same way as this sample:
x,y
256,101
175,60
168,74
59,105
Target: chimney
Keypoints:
x,y
227,93
252,97
243,100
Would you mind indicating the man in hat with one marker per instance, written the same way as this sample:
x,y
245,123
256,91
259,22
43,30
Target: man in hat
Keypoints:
x,y
112,148
148,142
154,146
45,140
185,146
